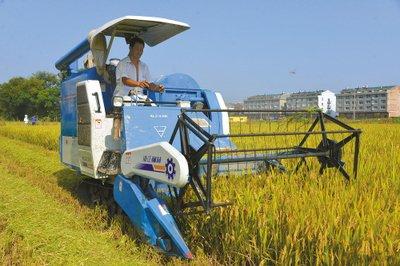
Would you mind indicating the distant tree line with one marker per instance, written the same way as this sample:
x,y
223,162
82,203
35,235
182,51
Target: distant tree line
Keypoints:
x,y
37,95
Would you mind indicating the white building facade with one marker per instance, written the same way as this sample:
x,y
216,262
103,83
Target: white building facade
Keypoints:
x,y
327,102
322,99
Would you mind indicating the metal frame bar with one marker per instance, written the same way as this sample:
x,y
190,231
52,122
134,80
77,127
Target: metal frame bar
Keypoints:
x,y
247,111
356,154
286,133
202,186
323,132
109,46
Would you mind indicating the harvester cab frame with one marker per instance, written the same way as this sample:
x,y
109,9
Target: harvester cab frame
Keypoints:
x,y
172,150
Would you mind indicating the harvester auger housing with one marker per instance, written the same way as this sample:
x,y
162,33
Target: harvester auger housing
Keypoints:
x,y
167,151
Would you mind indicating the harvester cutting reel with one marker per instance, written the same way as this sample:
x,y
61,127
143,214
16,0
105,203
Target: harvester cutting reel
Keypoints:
x,y
248,148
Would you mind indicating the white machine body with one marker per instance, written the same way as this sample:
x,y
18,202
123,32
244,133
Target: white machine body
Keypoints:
x,y
94,131
159,161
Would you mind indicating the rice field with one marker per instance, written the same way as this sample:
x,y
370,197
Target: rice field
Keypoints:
x,y
45,135
277,218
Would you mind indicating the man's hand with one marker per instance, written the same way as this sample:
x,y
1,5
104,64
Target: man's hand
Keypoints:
x,y
133,83
156,87
144,84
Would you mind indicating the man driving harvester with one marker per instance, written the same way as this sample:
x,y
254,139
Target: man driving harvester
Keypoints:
x,y
132,76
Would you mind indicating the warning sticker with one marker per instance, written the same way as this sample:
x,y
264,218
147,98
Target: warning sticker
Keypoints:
x,y
160,130
98,123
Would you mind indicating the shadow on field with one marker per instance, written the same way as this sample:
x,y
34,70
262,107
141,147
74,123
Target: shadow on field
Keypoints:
x,y
90,193
74,183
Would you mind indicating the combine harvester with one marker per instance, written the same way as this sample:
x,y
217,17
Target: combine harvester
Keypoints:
x,y
171,151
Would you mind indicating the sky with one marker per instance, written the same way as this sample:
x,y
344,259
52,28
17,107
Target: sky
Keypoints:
x,y
239,48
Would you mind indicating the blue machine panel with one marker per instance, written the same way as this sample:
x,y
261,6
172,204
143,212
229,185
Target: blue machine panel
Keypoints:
x,y
179,87
144,125
73,55
174,94
179,80
150,216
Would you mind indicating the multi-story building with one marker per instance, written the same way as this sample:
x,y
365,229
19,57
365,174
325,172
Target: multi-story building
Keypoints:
x,y
369,102
234,105
266,101
322,99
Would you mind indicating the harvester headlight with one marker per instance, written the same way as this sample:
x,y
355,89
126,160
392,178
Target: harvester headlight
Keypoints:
x,y
118,101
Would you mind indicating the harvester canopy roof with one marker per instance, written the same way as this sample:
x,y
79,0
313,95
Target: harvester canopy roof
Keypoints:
x,y
152,30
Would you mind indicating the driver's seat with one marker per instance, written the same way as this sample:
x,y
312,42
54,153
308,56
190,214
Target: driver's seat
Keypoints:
x,y
111,70
98,46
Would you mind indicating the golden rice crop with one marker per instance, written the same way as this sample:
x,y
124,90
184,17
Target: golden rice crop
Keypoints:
x,y
306,218
43,134
296,218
